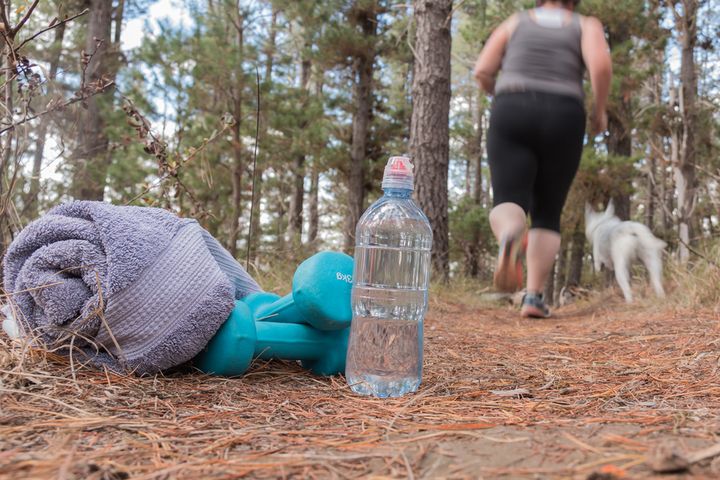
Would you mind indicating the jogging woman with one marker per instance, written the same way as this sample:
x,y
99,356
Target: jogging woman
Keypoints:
x,y
537,127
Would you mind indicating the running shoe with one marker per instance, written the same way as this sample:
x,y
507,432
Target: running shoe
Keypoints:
x,y
509,271
533,306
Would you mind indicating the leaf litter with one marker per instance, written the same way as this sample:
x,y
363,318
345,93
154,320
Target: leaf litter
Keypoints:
x,y
591,393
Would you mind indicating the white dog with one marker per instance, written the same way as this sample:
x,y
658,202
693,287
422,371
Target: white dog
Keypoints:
x,y
616,244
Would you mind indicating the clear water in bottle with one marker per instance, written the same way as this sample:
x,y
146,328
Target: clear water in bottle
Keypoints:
x,y
390,290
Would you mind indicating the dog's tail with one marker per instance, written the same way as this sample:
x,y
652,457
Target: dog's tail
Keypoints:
x,y
647,239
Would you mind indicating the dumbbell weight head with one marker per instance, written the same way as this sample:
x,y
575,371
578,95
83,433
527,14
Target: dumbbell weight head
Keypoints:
x,y
333,361
322,288
231,350
320,295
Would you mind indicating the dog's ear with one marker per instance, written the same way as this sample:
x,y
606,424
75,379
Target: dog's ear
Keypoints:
x,y
610,210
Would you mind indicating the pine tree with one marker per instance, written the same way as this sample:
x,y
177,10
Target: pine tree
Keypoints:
x,y
91,156
429,132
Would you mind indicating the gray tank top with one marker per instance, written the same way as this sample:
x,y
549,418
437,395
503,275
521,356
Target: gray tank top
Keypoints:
x,y
543,59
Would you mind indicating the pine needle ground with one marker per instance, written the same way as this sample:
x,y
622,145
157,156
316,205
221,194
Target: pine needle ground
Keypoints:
x,y
588,394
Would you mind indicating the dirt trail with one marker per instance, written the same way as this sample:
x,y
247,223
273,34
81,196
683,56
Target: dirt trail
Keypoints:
x,y
587,394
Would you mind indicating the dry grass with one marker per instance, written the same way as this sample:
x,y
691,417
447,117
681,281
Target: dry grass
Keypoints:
x,y
603,384
699,282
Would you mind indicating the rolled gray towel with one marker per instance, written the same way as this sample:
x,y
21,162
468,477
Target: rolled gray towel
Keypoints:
x,y
133,288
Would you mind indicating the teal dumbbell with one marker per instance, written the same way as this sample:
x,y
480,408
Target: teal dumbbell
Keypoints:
x,y
320,295
240,339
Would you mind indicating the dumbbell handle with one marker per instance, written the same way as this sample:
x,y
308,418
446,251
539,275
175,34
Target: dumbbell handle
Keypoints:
x,y
282,310
240,339
291,341
323,352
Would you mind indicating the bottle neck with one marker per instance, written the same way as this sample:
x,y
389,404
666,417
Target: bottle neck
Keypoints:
x,y
397,192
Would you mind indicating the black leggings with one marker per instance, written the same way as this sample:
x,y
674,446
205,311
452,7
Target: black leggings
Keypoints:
x,y
535,143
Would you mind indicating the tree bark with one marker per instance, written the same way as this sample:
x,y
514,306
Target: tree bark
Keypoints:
x,y
33,197
478,155
549,290
620,125
479,119
560,273
118,18
6,143
256,226
363,69
91,159
313,207
314,200
577,253
472,251
297,195
238,165
429,130
295,220
650,203
685,175
666,199
620,144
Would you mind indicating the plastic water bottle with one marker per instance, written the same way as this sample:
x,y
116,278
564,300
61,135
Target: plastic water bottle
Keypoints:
x,y
390,290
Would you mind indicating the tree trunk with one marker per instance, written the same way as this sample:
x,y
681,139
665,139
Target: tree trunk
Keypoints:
x,y
238,165
472,251
471,263
313,206
33,197
549,290
619,140
479,119
468,175
620,144
478,156
560,273
685,178
666,200
91,159
657,157
297,196
650,203
6,143
429,130
118,18
577,254
255,224
363,68
281,225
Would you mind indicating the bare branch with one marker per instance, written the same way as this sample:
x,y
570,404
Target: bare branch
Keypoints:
x,y
53,25
6,28
169,167
80,97
25,17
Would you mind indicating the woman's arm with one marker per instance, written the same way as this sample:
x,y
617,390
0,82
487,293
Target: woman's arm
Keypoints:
x,y
490,59
596,54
